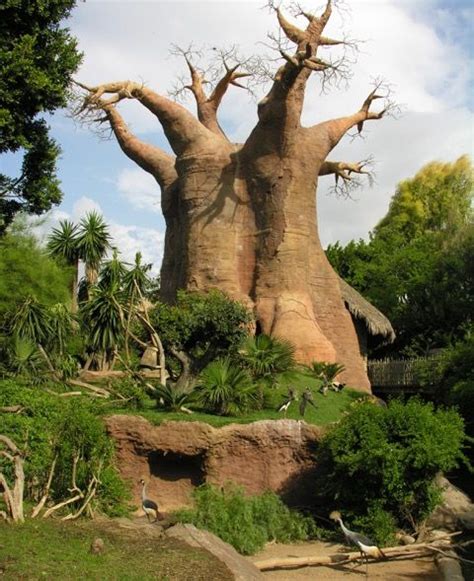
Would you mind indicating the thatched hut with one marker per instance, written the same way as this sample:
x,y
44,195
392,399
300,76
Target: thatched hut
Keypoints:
x,y
371,325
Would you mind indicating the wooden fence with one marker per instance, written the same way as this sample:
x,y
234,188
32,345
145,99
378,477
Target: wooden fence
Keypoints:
x,y
403,375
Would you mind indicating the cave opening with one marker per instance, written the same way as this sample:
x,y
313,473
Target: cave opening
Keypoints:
x,y
172,467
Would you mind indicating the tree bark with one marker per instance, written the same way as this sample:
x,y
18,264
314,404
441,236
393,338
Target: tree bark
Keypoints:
x,y
243,217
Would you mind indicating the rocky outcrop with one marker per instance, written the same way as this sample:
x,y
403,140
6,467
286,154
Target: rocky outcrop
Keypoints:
x,y
240,568
175,457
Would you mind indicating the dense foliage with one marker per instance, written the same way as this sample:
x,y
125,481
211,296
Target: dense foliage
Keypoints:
x,y
199,328
52,427
26,270
226,389
378,463
417,267
246,522
38,58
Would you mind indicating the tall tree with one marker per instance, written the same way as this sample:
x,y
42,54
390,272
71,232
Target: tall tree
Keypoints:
x,y
93,241
62,244
37,59
418,266
242,217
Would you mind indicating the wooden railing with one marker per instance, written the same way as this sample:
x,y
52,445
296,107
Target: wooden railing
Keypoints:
x,y
403,375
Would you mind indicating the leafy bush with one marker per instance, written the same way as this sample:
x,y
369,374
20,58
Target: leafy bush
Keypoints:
x,y
246,522
266,356
50,427
226,389
393,454
26,270
198,329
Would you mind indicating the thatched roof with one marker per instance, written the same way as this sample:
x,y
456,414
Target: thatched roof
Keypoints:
x,y
360,308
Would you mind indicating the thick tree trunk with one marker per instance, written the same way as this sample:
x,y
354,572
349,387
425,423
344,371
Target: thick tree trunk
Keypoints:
x,y
244,221
243,218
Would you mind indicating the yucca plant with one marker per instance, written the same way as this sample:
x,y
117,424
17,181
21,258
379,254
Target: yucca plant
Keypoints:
x,y
266,356
31,321
103,322
326,372
24,357
112,271
169,399
226,389
62,244
93,241
62,323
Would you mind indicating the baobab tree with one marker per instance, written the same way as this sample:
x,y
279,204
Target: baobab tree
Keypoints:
x,y
242,217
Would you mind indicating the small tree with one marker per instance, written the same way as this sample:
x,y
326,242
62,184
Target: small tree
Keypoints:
x,y
393,454
199,328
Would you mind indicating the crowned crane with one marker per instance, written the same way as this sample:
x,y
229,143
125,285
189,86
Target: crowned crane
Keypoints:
x,y
306,398
149,506
290,398
366,546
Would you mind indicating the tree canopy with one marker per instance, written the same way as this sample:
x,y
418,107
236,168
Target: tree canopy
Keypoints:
x,y
418,265
37,57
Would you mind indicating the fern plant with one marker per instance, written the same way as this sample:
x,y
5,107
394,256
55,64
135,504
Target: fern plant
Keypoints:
x,y
226,389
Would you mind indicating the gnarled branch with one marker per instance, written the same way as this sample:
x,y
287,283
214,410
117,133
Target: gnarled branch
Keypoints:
x,y
181,128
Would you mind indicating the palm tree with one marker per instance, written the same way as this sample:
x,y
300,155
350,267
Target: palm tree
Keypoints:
x,y
93,241
63,244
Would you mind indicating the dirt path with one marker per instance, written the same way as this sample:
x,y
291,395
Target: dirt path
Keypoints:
x,y
394,570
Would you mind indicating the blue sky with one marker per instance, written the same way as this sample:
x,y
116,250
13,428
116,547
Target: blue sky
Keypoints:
x,y
423,48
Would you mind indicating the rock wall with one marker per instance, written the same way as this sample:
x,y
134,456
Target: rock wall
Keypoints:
x,y
175,457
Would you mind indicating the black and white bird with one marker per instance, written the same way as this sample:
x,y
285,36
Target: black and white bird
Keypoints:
x,y
149,506
290,398
366,546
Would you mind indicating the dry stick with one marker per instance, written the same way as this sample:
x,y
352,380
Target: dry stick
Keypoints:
x,y
61,504
154,336
13,498
38,508
99,391
12,409
74,488
407,551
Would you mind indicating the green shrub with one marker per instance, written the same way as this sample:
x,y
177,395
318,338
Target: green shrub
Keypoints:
x,y
51,427
266,356
226,389
246,522
383,460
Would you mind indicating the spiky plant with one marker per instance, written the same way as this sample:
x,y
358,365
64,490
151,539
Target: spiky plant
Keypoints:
x,y
103,322
167,398
63,244
113,272
93,241
31,321
266,356
327,372
136,278
226,389
62,326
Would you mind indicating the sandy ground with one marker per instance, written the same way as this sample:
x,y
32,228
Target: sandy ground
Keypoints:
x,y
394,570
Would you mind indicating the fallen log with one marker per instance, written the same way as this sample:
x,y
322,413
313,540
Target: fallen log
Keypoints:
x,y
405,551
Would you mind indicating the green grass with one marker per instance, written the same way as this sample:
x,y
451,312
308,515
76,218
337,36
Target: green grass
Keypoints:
x,y
54,550
328,408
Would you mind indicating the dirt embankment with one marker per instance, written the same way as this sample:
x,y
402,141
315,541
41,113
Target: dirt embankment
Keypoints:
x,y
175,457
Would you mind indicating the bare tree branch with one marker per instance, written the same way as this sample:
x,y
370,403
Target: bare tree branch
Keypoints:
x,y
181,128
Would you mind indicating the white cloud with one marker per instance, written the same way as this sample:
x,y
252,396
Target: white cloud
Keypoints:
x,y
140,189
430,75
83,206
